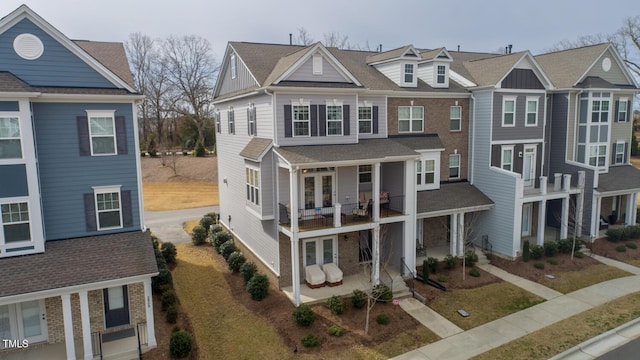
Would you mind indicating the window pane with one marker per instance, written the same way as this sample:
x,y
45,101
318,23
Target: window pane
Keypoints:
x,y
310,252
429,178
403,125
327,251
10,149
429,165
17,232
416,125
417,112
101,126
327,183
5,325
109,219
403,112
103,145
508,119
455,124
454,112
364,127
509,105
31,318
116,298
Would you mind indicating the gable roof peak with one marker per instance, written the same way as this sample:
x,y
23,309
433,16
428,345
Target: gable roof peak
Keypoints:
x,y
394,54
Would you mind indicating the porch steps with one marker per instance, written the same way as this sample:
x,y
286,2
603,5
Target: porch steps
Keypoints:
x,y
482,258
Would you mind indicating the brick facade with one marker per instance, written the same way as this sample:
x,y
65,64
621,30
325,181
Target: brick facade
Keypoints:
x,y
435,232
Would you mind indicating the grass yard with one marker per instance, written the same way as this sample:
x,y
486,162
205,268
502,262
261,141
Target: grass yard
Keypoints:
x,y
223,328
484,304
568,281
568,333
161,196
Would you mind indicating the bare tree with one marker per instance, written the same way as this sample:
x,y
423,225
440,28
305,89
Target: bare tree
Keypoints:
x,y
303,38
139,48
191,69
337,40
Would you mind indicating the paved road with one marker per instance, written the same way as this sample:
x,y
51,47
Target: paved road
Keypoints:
x,y
167,225
630,350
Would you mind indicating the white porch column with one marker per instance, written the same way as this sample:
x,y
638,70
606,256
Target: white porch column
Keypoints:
x,y
595,216
453,234
630,218
68,327
375,271
410,201
148,311
337,215
295,242
375,192
564,223
86,325
634,212
461,237
542,219
579,212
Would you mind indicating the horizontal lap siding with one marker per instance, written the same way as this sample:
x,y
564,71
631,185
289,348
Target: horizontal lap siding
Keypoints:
x,y
615,75
381,103
65,176
56,67
347,185
519,131
305,73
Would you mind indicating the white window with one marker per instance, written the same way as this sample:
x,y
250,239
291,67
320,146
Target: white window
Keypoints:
x,y
364,174
108,207
25,321
320,251
455,118
15,222
10,143
102,131
251,120
365,119
594,130
620,152
508,111
441,74
506,160
234,66
301,120
317,64
253,185
532,112
454,166
600,111
334,120
427,176
598,155
231,121
408,73
622,110
410,118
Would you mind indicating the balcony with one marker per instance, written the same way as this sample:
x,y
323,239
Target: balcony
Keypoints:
x,y
560,186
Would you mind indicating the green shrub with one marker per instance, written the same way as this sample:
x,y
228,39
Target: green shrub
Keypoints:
x,y
382,293
474,272
169,252
432,265
526,251
206,222
565,246
552,261
425,270
227,249
215,229
258,287
172,314
578,254
198,235
550,248
168,298
163,278
382,319
621,248
336,304
450,261
631,245
538,265
180,344
614,235
310,341
470,257
335,330
537,251
220,238
160,261
358,299
303,315
247,270
235,261
199,150
154,241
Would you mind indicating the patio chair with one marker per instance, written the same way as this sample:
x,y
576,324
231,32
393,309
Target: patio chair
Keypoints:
x,y
314,276
333,274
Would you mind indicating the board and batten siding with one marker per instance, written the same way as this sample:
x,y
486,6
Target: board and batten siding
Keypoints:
x,y
500,224
288,99
257,235
615,75
56,67
65,175
243,80
519,131
305,73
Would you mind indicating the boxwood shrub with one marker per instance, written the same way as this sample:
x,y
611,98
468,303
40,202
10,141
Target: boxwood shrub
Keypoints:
x,y
247,270
310,341
336,304
537,251
335,330
358,299
198,235
303,315
168,298
180,344
258,287
235,261
172,314
169,252
220,238
227,249
382,319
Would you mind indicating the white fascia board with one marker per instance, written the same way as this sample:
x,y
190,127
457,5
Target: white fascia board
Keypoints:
x,y
233,98
43,97
312,90
460,79
426,95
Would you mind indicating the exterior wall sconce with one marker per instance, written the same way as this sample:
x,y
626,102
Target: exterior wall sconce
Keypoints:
x,y
346,238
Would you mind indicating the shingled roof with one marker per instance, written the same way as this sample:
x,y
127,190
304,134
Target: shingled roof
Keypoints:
x,y
79,261
619,178
564,68
490,70
110,54
450,197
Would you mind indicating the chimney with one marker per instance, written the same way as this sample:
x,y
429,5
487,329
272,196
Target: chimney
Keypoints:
x,y
380,48
510,46
290,39
458,48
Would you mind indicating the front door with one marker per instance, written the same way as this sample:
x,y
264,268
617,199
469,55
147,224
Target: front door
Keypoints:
x,y
529,165
116,306
23,321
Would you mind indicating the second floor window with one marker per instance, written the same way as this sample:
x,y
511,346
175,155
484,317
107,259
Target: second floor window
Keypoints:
x,y
334,119
10,143
231,121
506,161
532,112
455,118
108,209
598,155
15,222
216,117
441,75
410,118
600,111
251,120
620,152
300,120
365,119
102,132
408,73
508,112
454,166
253,185
622,110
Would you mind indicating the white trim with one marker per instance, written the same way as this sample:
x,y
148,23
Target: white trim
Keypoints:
x,y
317,64
461,79
320,249
626,111
527,112
337,104
616,153
437,84
459,166
97,190
301,102
424,157
533,164
504,148
403,74
519,141
370,120
459,118
136,138
410,119
103,114
504,112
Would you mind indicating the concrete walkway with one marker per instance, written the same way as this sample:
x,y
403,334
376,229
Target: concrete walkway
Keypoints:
x,y
167,225
485,337
429,318
531,286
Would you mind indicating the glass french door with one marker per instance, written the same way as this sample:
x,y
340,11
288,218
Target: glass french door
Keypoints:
x,y
529,165
24,321
317,191
320,251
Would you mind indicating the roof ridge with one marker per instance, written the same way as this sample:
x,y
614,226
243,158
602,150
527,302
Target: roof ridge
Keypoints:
x,y
575,48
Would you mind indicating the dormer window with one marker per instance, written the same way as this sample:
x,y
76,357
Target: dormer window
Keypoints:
x,y
408,73
441,74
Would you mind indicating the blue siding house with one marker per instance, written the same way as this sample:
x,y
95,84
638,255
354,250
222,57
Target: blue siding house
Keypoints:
x,y
76,259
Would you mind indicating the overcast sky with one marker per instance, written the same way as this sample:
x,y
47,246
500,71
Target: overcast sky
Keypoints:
x,y
474,25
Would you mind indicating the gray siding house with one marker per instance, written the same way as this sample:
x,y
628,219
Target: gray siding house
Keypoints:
x,y
76,259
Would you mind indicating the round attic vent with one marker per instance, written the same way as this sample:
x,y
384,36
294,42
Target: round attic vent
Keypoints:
x,y
606,64
28,46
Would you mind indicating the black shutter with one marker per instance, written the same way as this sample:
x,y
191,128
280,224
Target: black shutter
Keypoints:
x,y
346,116
287,121
90,212
374,124
314,120
625,158
322,115
121,135
248,121
616,113
83,136
254,131
127,211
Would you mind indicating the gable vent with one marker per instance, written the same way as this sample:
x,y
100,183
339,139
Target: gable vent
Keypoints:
x,y
28,46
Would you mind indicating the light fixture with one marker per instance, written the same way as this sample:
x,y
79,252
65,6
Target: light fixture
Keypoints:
x,y
456,102
225,180
346,238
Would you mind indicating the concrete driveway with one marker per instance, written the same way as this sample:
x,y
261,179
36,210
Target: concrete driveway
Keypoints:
x,y
167,225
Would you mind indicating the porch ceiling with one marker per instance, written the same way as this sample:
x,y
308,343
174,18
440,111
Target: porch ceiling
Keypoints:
x,y
619,178
79,261
451,196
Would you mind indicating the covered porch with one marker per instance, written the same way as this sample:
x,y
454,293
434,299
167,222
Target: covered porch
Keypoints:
x,y
615,199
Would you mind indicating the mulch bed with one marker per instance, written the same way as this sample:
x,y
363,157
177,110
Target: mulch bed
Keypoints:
x,y
606,248
528,271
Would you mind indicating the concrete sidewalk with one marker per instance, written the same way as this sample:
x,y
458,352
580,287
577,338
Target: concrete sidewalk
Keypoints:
x,y
485,337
